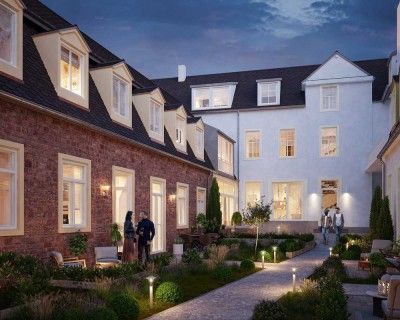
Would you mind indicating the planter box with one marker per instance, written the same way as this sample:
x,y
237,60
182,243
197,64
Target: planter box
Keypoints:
x,y
309,246
178,248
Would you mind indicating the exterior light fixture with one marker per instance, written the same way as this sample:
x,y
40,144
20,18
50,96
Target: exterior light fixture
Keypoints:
x,y
274,248
172,197
279,229
330,252
294,279
104,190
151,281
262,258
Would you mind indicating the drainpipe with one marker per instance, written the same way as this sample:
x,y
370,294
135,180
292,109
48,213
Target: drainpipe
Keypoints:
x,y
238,154
383,177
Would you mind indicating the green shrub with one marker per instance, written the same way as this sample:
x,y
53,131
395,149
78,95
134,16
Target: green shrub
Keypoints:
x,y
332,266
350,255
222,273
102,313
169,292
267,257
377,260
301,304
306,237
125,306
247,265
343,239
228,242
236,218
385,223
333,303
162,260
78,243
191,256
269,310
213,210
338,248
291,245
355,248
376,204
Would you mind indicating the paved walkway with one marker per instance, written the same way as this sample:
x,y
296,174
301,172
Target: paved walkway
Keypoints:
x,y
237,300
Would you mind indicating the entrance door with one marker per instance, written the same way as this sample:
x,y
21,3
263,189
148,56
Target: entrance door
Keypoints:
x,y
329,194
157,213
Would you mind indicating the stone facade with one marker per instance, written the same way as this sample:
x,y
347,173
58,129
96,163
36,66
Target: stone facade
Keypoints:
x,y
43,138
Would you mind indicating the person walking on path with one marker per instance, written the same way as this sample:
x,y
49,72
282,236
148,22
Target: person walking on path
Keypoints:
x,y
146,233
128,251
338,223
326,223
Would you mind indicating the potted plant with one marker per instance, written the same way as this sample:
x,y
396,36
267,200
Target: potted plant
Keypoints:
x,y
178,246
78,243
115,234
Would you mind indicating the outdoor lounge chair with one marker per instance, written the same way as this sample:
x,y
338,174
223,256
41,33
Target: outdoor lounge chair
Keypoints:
x,y
377,245
66,262
391,306
106,256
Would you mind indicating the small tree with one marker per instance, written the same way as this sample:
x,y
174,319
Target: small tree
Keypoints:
x,y
213,212
385,222
375,212
115,234
257,215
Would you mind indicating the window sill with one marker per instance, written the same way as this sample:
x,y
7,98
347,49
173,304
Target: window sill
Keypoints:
x,y
287,158
268,104
74,229
11,232
182,227
327,157
252,159
334,110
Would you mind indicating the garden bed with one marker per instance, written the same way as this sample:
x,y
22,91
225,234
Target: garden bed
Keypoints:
x,y
308,246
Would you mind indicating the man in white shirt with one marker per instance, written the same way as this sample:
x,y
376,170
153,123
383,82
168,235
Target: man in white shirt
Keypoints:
x,y
326,223
338,223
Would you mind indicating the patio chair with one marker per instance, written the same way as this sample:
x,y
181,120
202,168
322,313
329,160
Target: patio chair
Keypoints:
x,y
106,256
391,306
60,261
377,245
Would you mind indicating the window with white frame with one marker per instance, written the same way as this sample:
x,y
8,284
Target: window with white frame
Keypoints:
x,y
123,193
120,97
228,200
156,117
269,93
8,34
201,200
199,141
329,142
225,155
253,144
8,188
70,70
180,130
287,200
75,180
287,140
182,205
253,192
212,97
329,98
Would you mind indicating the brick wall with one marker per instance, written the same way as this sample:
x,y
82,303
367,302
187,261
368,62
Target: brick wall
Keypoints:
x,y
44,137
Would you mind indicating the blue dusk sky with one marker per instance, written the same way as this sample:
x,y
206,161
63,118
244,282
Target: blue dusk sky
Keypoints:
x,y
213,36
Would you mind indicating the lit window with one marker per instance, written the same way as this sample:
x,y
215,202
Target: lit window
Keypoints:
x,y
8,188
288,200
269,93
120,97
182,205
180,130
7,35
252,144
329,142
212,97
70,71
329,193
201,200
253,192
287,143
156,117
75,197
225,155
329,100
228,200
199,141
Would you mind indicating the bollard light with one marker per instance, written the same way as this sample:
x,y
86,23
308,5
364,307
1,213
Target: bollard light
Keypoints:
x,y
274,248
330,251
262,258
151,281
294,279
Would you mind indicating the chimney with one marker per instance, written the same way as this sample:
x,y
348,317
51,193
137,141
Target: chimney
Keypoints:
x,y
181,73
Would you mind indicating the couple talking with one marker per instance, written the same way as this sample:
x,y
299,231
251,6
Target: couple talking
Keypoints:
x,y
327,222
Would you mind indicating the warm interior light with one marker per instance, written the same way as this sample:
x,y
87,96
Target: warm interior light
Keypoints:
x,y
104,190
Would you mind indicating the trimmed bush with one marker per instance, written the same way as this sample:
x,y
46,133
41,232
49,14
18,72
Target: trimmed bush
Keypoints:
x,y
169,292
213,210
236,219
332,266
125,306
269,310
355,248
385,223
102,313
301,304
375,211
338,248
267,257
291,245
191,256
222,273
350,255
247,265
333,303
377,260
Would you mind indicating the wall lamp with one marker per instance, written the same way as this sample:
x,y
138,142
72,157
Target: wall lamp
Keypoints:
x,y
104,190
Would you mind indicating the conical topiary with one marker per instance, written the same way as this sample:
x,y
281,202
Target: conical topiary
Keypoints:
x,y
385,222
375,212
213,212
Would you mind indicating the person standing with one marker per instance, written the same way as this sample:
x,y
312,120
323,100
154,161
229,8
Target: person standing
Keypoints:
x,y
146,232
128,251
326,223
338,223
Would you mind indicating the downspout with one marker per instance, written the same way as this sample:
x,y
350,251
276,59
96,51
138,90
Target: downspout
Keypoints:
x,y
238,155
383,177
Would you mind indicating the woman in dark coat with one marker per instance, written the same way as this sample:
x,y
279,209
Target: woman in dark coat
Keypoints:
x,y
129,234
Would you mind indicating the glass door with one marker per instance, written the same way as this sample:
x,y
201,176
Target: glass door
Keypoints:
x,y
329,195
157,215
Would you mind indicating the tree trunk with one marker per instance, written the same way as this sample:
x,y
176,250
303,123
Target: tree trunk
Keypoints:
x,y
255,248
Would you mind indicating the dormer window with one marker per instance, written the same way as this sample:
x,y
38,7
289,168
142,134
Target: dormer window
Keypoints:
x,y
7,34
269,92
156,117
213,97
180,130
199,141
70,71
120,96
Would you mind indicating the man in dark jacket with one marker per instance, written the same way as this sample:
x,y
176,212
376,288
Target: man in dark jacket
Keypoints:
x,y
146,232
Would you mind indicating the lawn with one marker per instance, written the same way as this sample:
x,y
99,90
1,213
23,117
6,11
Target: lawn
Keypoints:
x,y
247,252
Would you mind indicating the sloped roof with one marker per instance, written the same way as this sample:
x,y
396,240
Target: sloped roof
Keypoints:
x,y
38,88
246,89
